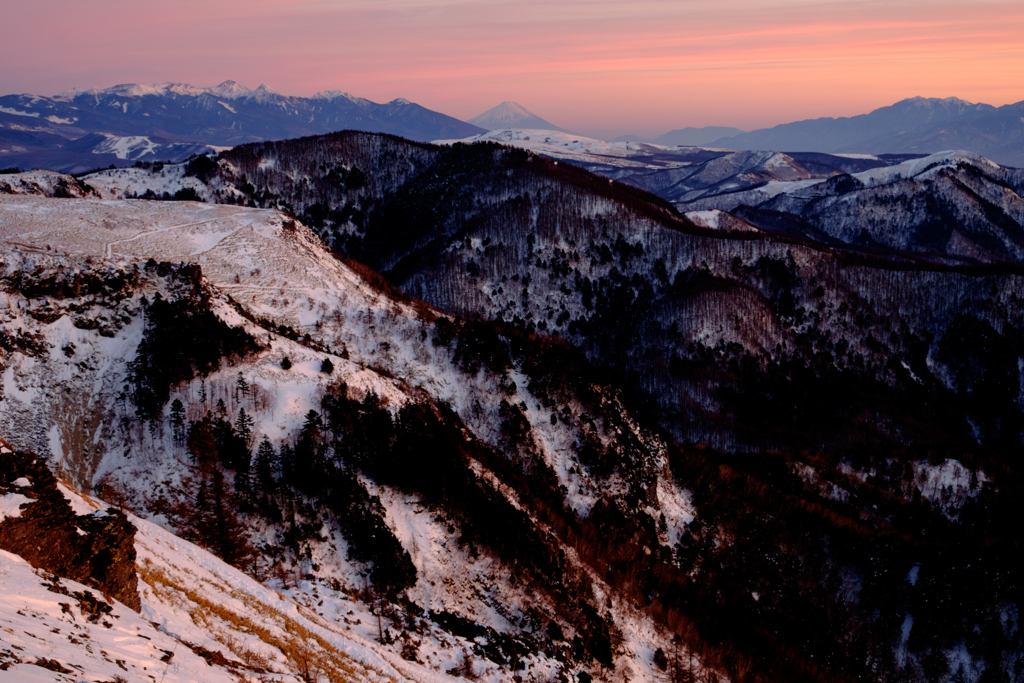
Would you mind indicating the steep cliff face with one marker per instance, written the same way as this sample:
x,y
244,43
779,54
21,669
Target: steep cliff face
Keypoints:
x,y
96,548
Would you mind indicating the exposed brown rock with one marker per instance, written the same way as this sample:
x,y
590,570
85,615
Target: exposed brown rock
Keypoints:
x,y
97,550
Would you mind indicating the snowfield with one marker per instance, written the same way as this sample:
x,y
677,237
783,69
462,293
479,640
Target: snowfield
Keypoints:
x,y
574,148
47,636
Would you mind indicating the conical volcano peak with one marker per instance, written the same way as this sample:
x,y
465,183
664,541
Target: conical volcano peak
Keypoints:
x,y
511,115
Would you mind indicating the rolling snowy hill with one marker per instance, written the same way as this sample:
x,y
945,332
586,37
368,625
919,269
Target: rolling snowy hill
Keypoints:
x,y
679,174
950,206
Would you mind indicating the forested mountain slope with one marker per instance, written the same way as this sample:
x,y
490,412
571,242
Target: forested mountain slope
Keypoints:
x,y
797,458
948,207
326,429
500,234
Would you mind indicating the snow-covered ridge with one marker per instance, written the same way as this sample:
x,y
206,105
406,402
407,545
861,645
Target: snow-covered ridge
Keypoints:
x,y
18,112
921,169
917,167
719,220
228,90
42,184
913,168
192,120
141,146
337,94
574,148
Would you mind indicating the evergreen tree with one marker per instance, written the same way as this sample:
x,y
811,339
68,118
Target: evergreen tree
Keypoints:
x,y
287,460
241,387
178,420
267,466
212,520
243,428
202,446
243,484
223,531
231,447
310,469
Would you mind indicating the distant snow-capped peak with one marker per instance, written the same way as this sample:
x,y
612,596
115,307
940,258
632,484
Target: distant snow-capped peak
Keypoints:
x,y
509,111
228,90
331,95
511,115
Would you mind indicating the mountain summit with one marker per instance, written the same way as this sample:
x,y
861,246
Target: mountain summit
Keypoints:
x,y
83,129
511,115
917,125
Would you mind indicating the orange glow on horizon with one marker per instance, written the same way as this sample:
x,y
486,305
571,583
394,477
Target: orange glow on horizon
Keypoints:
x,y
597,67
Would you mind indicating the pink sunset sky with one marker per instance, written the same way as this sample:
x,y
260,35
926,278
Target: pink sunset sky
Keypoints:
x,y
598,67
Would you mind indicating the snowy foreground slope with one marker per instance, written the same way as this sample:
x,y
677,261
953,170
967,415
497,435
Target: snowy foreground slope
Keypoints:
x,y
201,620
82,280
47,637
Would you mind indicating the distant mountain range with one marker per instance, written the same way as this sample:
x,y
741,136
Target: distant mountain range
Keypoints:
x,y
917,125
695,137
512,115
83,129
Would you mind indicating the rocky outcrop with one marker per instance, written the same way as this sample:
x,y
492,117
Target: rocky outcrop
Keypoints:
x,y
45,184
97,549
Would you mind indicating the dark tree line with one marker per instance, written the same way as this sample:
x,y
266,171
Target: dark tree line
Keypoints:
x,y
204,507
183,339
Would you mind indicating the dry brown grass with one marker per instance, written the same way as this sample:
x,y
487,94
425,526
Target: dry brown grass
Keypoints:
x,y
309,655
